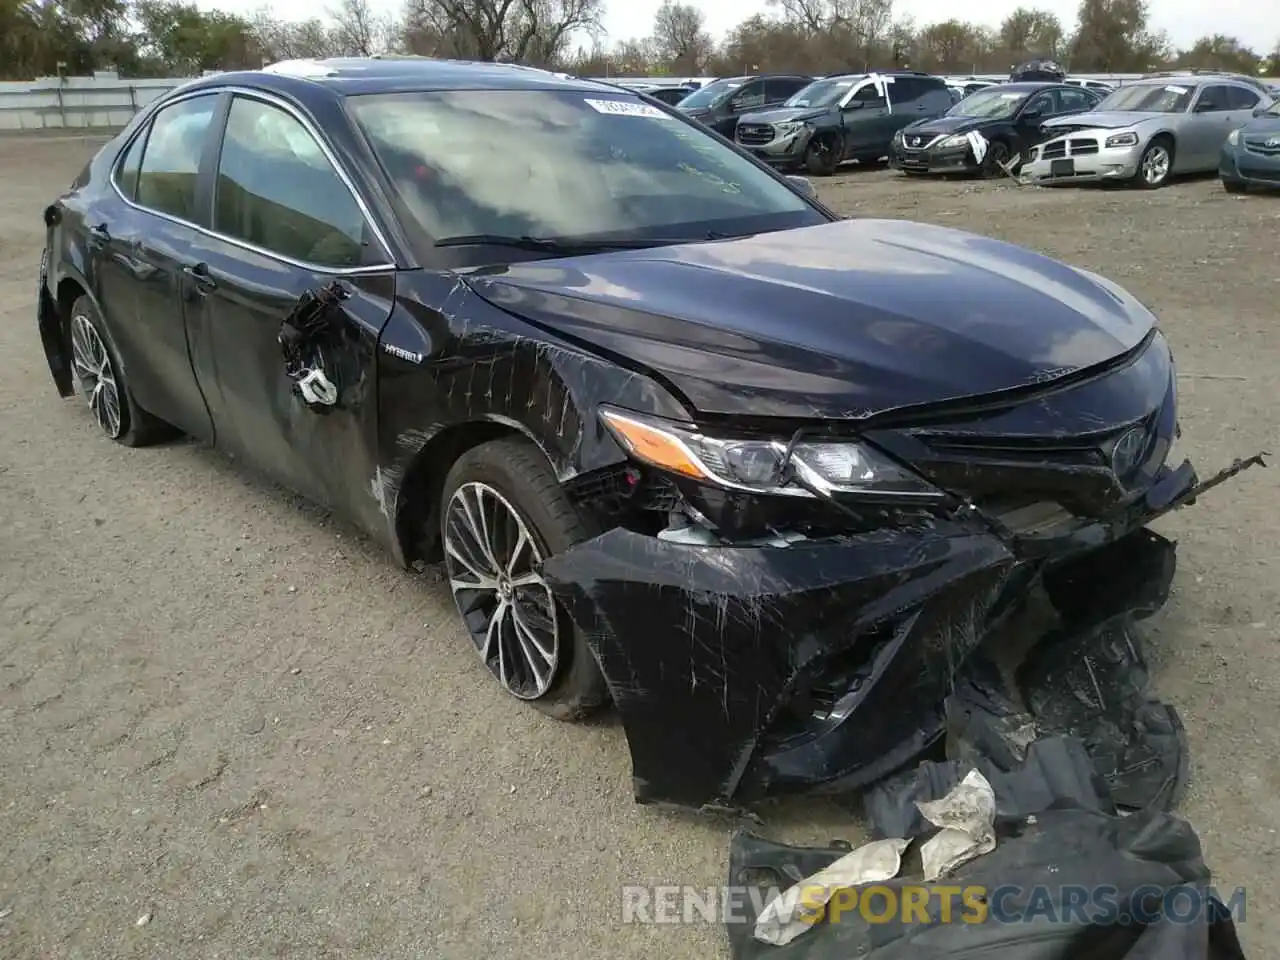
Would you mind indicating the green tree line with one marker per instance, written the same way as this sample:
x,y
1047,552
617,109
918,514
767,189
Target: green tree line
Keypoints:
x,y
174,38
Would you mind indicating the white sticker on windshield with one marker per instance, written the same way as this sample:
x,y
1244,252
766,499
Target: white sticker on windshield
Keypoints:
x,y
1177,89
625,108
1011,96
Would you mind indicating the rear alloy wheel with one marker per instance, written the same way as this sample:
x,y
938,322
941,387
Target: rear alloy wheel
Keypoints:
x,y
1155,166
95,376
99,377
502,514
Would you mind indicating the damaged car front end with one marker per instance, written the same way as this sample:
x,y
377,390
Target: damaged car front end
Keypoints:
x,y
793,577
807,635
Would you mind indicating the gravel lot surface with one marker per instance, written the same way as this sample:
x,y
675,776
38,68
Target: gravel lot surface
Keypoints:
x,y
223,711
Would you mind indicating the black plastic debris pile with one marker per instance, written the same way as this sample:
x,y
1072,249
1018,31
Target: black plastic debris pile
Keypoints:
x,y
1088,863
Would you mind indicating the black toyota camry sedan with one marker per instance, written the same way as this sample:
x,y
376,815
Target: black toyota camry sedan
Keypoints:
x,y
682,438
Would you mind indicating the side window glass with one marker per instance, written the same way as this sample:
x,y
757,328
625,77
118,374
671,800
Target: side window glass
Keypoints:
x,y
171,160
1214,99
869,97
127,170
277,190
1075,100
780,88
751,95
1043,103
1240,98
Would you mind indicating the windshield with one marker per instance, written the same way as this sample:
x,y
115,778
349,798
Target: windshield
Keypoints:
x,y
823,93
567,166
988,105
711,94
1148,98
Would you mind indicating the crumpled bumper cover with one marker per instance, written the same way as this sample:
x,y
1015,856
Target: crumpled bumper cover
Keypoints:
x,y
742,671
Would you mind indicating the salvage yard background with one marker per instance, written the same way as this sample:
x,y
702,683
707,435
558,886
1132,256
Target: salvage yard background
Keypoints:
x,y
222,710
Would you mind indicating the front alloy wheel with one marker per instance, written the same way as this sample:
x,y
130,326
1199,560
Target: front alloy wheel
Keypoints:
x,y
1154,167
493,563
95,375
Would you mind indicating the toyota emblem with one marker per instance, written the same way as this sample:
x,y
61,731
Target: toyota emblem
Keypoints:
x,y
915,141
1128,451
1273,141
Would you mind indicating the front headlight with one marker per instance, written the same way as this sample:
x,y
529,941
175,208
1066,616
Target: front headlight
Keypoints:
x,y
1123,140
757,466
1234,136
959,140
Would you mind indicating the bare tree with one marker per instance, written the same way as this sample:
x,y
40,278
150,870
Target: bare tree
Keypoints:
x,y
536,32
680,37
357,30
1027,32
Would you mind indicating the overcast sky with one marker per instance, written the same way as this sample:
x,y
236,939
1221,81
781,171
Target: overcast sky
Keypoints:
x,y
1255,24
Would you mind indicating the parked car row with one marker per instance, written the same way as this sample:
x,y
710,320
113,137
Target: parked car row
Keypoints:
x,y
1068,130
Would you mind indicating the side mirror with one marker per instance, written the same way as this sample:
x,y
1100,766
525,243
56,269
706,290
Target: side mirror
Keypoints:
x,y
1206,106
804,185
853,105
1029,115
1260,111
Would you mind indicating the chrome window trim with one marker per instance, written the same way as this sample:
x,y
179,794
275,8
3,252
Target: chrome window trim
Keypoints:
x,y
288,108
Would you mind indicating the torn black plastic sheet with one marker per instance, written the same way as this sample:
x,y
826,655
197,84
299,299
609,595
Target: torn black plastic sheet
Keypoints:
x,y
1057,836
308,338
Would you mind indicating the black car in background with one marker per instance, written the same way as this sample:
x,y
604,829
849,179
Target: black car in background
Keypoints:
x,y
720,103
669,95
841,118
682,437
986,129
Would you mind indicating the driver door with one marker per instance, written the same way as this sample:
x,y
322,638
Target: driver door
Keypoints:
x,y
1206,129
1034,112
286,222
868,124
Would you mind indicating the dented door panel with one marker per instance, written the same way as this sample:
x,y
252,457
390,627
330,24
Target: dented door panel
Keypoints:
x,y
322,451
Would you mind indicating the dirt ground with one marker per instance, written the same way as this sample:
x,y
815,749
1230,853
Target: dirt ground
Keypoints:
x,y
221,710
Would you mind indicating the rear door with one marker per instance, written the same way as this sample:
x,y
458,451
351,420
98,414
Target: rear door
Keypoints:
x,y
286,221
143,251
778,90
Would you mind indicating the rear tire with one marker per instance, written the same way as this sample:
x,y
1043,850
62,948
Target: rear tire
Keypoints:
x,y
98,376
504,492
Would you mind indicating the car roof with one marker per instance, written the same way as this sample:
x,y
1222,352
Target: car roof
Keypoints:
x,y
351,76
1028,86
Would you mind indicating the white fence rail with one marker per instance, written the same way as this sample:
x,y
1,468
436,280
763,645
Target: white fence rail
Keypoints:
x,y
107,101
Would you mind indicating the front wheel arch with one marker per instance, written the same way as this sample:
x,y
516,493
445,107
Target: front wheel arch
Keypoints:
x,y
418,500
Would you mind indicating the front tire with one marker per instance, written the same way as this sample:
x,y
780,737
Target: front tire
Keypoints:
x,y
821,156
503,513
997,156
98,376
1156,164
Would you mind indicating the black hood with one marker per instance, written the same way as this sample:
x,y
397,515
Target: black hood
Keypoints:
x,y
841,320
937,126
781,114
